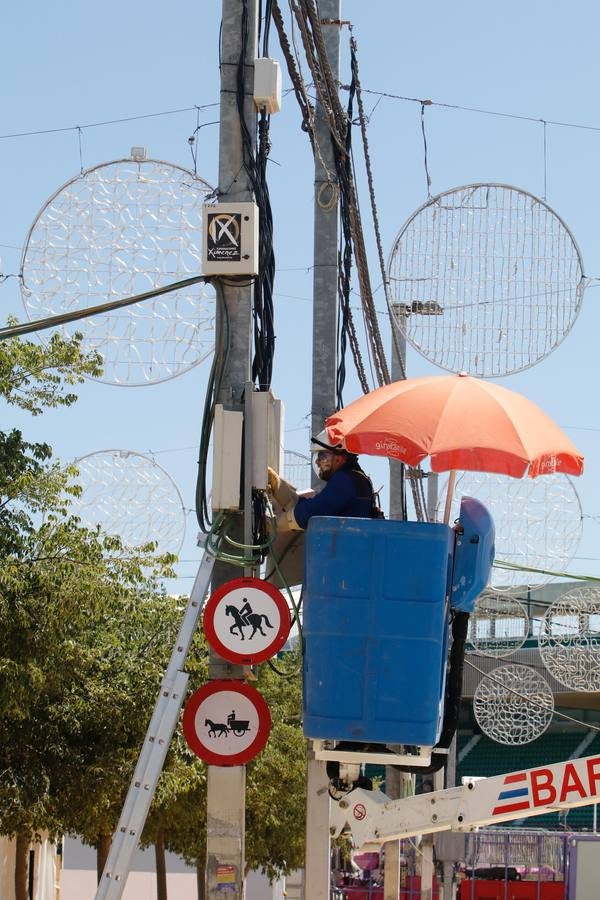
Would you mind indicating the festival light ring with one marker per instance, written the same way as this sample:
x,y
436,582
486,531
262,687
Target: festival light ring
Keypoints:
x,y
513,705
569,639
498,626
117,230
538,523
486,279
128,494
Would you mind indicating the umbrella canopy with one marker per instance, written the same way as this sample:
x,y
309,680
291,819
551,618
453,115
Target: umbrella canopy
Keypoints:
x,y
460,422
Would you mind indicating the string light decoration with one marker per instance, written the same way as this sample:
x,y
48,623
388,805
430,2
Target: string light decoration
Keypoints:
x,y
538,523
569,639
485,279
498,626
117,230
513,705
130,495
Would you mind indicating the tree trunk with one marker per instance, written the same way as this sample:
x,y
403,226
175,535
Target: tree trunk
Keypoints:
x,y
161,868
22,866
201,876
102,851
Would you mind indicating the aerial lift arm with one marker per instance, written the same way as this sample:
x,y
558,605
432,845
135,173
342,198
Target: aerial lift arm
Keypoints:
x,y
372,818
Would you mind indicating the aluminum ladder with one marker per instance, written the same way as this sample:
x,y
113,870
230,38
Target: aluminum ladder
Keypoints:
x,y
156,743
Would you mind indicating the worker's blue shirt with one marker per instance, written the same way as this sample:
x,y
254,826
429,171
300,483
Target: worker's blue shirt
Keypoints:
x,y
347,493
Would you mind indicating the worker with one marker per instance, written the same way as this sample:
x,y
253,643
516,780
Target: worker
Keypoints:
x,y
348,490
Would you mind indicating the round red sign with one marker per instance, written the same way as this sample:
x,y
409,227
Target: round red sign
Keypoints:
x,y
226,723
246,620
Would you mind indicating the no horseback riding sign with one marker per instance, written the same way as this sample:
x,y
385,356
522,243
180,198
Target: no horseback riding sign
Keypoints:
x,y
246,620
226,723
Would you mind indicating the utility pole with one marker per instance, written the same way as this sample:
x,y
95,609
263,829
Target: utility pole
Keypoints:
x,y
398,374
226,786
324,374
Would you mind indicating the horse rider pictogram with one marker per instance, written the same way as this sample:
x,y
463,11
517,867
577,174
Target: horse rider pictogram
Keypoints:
x,y
246,618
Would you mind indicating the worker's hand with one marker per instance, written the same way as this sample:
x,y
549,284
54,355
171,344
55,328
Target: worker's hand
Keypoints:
x,y
281,490
273,480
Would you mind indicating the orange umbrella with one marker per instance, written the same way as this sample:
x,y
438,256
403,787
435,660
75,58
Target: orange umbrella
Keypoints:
x,y
460,422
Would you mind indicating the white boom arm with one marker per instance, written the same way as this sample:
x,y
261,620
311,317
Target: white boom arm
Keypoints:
x,y
374,819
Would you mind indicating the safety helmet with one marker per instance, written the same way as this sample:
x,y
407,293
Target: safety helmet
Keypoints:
x,y
322,453
322,442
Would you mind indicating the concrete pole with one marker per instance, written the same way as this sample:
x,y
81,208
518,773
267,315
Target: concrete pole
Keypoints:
x,y
326,242
398,368
226,786
324,371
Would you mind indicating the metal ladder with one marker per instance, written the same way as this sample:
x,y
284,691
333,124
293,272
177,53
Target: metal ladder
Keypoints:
x,y
154,750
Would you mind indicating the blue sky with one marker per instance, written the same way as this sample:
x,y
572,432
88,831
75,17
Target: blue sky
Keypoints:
x,y
73,64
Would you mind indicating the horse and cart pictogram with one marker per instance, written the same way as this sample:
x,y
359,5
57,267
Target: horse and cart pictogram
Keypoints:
x,y
238,727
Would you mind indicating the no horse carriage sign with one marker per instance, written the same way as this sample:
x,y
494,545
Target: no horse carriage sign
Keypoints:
x,y
246,620
226,723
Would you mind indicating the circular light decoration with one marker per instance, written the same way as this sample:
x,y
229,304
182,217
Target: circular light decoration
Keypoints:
x,y
129,495
499,625
538,522
569,639
485,279
513,705
120,229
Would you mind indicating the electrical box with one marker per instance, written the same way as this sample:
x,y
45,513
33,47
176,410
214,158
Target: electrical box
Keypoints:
x,y
267,436
230,239
227,458
267,84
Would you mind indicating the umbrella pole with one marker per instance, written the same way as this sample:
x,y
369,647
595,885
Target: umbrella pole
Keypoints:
x,y
449,496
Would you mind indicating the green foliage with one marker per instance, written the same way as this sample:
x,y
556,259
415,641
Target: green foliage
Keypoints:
x,y
37,376
85,635
276,780
84,628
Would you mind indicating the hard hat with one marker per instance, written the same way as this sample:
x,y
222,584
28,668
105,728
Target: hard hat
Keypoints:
x,y
322,442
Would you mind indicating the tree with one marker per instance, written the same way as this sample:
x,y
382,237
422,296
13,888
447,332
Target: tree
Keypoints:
x,y
276,780
70,599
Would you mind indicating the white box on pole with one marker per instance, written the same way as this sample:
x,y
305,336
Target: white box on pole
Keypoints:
x,y
227,456
267,84
230,239
267,436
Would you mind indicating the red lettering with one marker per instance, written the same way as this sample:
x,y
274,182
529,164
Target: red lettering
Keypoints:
x,y
542,783
593,774
571,782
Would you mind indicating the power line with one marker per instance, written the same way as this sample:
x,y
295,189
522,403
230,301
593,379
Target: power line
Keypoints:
x,y
167,112
539,120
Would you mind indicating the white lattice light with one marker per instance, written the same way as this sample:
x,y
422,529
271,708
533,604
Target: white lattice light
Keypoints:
x,y
117,230
569,639
499,625
538,523
485,279
130,495
513,705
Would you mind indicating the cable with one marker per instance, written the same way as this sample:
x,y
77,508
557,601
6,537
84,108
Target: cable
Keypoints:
x,y
168,112
12,331
503,564
212,392
256,170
